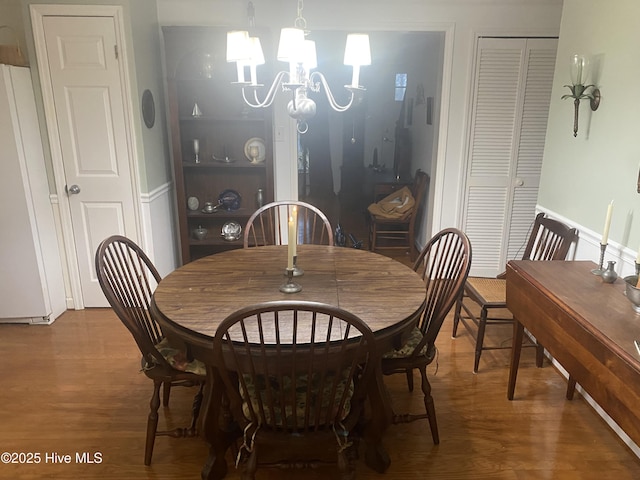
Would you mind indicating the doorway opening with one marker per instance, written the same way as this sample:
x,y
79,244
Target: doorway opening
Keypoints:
x,y
385,138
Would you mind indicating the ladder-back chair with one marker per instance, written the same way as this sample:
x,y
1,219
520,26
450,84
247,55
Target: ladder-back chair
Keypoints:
x,y
549,240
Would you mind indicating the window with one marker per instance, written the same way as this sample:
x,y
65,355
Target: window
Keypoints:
x,y
401,86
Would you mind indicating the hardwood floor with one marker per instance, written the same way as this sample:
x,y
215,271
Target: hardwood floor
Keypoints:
x,y
74,387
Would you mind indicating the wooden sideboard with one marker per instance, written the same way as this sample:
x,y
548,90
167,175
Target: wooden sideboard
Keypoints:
x,y
586,325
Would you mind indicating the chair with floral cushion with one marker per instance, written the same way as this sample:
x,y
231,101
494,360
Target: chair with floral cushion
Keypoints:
x,y
128,278
295,375
444,265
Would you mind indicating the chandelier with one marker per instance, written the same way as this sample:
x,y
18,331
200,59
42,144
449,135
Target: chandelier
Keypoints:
x,y
300,54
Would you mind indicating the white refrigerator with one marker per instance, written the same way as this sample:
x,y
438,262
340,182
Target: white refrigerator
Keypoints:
x,y
31,280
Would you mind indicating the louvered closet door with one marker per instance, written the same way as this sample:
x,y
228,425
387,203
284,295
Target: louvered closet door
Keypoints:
x,y
513,80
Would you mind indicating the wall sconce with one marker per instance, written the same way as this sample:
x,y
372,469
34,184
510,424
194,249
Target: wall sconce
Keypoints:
x,y
579,73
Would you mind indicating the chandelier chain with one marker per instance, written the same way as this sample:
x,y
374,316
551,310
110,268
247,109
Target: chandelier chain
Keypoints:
x,y
300,22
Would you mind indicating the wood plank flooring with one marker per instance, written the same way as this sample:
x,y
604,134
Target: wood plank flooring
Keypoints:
x,y
74,387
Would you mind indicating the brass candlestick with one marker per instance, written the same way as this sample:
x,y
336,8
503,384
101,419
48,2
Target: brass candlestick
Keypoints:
x,y
599,270
290,286
297,271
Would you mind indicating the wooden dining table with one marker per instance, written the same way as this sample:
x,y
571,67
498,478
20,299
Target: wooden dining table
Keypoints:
x,y
193,300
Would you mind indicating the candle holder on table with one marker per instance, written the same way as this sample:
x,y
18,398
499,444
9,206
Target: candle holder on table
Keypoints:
x,y
599,270
297,271
290,286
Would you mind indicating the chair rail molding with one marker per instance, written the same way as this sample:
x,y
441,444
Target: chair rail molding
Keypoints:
x,y
158,230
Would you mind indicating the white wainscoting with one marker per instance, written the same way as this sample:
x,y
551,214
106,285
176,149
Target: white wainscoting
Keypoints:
x,y
588,248
158,228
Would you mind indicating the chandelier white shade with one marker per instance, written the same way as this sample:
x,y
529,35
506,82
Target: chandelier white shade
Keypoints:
x,y
357,53
300,55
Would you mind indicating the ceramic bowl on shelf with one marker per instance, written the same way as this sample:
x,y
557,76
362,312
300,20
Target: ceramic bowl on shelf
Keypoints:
x,y
229,200
231,231
223,159
209,207
200,233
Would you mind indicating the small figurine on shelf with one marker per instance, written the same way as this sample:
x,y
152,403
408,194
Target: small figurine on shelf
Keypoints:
x,y
254,152
196,150
259,198
196,112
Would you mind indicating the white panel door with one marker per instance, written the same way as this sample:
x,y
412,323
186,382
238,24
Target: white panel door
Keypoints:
x,y
86,84
513,80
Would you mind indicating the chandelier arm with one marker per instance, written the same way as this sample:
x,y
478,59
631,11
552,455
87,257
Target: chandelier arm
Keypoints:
x,y
332,101
271,94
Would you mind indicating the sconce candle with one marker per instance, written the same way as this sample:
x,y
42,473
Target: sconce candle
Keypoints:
x,y
607,224
579,69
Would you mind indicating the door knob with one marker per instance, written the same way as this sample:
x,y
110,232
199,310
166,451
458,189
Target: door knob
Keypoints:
x,y
72,190
519,182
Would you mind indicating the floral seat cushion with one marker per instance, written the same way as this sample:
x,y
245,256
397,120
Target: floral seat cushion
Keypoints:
x,y
319,398
415,337
178,359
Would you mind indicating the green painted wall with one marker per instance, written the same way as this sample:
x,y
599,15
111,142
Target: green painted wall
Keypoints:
x,y
580,176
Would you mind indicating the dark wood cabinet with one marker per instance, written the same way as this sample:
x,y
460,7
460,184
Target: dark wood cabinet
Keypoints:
x,y
206,107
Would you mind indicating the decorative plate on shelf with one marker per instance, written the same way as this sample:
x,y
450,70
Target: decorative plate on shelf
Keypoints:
x,y
193,203
255,150
229,200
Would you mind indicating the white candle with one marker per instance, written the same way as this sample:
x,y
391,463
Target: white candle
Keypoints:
x,y
295,231
607,224
290,249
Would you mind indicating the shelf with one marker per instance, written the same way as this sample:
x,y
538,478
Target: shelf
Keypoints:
x,y
209,119
213,164
240,213
223,129
215,241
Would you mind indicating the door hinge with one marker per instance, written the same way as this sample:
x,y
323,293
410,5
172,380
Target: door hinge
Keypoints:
x,y
115,50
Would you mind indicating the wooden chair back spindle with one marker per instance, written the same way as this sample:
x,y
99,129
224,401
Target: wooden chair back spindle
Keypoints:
x,y
267,224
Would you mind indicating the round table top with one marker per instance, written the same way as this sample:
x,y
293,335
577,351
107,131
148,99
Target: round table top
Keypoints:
x,y
195,298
